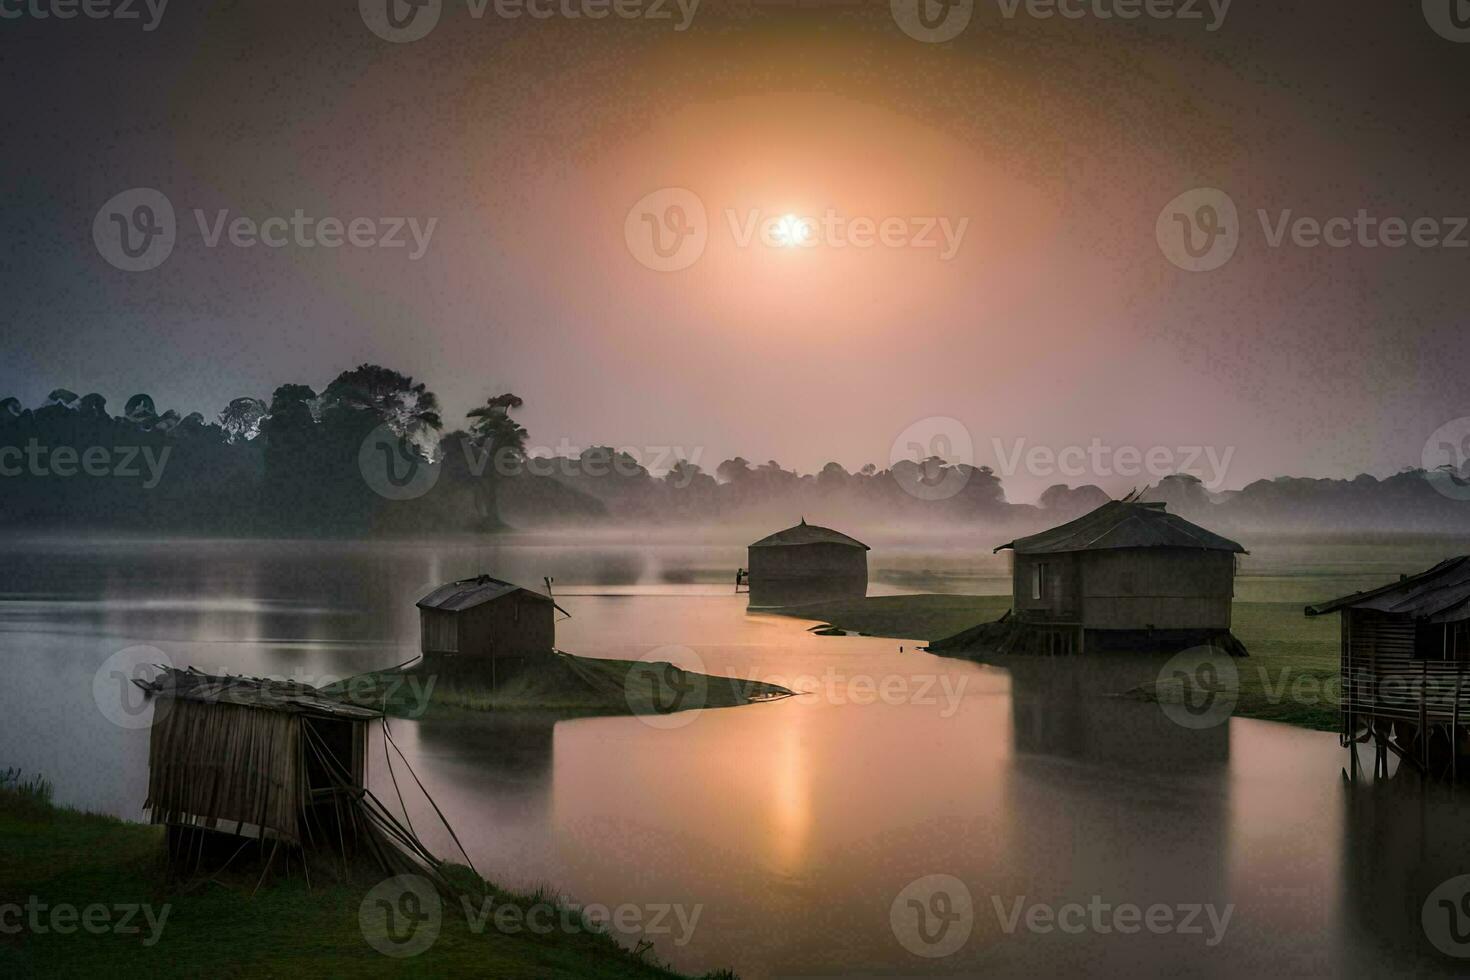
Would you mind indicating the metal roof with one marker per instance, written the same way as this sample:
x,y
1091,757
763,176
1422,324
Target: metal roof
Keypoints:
x,y
805,533
1123,524
265,693
470,592
1438,595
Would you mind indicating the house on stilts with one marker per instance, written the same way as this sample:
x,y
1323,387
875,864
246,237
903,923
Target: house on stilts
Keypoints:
x,y
1404,663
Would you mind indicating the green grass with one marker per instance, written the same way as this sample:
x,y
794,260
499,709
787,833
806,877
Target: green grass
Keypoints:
x,y
219,930
1290,676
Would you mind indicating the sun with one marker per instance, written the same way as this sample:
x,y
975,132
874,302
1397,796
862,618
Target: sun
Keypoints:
x,y
791,231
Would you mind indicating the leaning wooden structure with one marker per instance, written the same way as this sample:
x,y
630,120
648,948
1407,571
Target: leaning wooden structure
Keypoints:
x,y
235,761
1405,654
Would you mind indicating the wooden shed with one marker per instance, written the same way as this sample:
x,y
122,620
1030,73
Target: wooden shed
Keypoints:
x,y
1128,575
483,617
806,563
254,758
1405,654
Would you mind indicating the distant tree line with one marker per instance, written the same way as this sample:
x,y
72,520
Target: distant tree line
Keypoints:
x,y
368,454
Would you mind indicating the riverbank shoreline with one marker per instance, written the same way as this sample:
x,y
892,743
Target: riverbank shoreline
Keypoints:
x,y
91,897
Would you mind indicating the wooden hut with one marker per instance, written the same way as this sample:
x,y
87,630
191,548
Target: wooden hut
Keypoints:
x,y
806,563
485,618
1128,575
255,758
1405,652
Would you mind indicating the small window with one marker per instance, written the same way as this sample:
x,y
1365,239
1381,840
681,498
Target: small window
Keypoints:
x,y
1038,580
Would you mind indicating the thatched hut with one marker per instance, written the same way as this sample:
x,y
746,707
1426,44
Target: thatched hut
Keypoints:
x,y
806,563
486,618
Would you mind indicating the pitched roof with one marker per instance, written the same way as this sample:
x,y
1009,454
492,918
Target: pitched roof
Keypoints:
x,y
1438,594
805,533
291,697
470,592
1123,524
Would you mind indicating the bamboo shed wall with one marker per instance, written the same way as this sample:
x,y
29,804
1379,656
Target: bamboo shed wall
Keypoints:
x,y
227,767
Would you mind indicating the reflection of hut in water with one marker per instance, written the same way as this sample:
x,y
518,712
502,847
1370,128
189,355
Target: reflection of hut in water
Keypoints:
x,y
806,563
268,761
1069,709
1127,576
485,618
1405,649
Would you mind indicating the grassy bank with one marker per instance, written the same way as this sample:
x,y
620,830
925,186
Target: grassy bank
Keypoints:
x,y
1290,676
561,683
63,857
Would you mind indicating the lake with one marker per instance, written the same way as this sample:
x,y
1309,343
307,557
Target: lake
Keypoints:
x,y
1044,828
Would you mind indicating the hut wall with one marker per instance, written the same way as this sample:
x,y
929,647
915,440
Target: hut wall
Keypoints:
x,y
515,625
226,767
1159,588
438,631
807,561
1059,599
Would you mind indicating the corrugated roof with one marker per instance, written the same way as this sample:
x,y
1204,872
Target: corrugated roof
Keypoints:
x,y
266,693
1123,524
1438,594
470,592
805,533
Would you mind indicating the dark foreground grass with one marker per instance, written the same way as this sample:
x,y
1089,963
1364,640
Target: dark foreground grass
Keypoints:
x,y
55,856
1290,676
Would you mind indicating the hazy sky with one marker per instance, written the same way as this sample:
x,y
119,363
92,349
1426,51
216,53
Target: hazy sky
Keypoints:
x,y
1050,146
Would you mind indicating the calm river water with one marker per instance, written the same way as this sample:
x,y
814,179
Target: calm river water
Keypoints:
x,y
794,827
